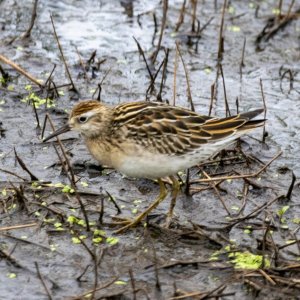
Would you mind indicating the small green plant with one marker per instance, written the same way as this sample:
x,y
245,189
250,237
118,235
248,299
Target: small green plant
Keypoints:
x,y
2,80
281,212
248,229
35,100
248,260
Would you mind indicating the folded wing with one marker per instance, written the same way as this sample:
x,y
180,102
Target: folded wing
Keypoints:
x,y
176,131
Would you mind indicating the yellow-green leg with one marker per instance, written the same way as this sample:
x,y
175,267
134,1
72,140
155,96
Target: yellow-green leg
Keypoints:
x,y
162,195
175,191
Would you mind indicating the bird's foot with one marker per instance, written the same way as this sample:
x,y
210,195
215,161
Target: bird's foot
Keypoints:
x,y
120,221
132,223
167,222
128,223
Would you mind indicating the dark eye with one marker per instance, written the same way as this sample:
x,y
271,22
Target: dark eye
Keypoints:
x,y
82,119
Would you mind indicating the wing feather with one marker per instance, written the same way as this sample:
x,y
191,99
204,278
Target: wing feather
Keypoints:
x,y
174,130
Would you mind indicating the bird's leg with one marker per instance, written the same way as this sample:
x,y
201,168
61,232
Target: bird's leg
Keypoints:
x,y
175,191
162,195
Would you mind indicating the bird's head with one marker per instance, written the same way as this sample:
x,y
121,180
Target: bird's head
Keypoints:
x,y
90,118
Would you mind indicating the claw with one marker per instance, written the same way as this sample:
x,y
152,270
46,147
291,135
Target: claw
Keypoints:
x,y
133,223
162,195
120,221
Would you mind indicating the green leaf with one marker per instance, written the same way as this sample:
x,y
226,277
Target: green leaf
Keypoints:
x,y
52,247
76,240
235,207
84,183
67,189
134,210
72,220
282,211
249,261
296,221
290,241
98,232
97,240
234,28
120,282
81,223
276,11
49,220
112,240
11,275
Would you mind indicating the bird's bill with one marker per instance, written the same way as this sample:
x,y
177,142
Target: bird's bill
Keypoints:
x,y
57,132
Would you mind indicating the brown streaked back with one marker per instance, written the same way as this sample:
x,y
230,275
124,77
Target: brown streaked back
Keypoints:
x,y
177,131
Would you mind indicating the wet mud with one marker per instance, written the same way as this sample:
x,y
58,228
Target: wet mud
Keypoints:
x,y
232,238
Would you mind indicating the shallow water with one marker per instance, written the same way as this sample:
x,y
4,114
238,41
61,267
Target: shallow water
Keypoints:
x,y
108,27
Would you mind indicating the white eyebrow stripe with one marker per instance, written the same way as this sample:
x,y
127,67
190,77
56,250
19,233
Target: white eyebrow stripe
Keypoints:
x,y
88,114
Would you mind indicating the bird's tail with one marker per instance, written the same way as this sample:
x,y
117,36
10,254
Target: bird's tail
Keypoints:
x,y
251,124
220,128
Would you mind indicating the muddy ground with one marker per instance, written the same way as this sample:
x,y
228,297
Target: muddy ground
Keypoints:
x,y
246,247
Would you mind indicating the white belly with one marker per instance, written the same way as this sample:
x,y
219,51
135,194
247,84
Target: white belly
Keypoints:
x,y
155,166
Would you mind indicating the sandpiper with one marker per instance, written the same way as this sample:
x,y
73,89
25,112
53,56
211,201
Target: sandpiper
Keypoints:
x,y
154,140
